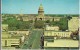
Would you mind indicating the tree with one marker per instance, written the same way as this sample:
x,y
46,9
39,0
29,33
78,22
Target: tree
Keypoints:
x,y
21,25
69,17
63,24
75,34
12,22
48,21
31,21
54,23
39,24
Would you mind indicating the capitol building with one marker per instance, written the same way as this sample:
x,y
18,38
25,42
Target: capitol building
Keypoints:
x,y
39,16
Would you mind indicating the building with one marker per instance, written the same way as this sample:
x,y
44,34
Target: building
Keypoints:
x,y
22,34
41,10
57,18
61,43
4,27
19,32
54,28
6,48
5,35
40,13
40,16
59,39
10,42
73,24
57,34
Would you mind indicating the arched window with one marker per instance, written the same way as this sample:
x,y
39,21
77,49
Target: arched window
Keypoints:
x,y
40,18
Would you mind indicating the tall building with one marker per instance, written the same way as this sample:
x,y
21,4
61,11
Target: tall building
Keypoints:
x,y
40,13
40,16
41,10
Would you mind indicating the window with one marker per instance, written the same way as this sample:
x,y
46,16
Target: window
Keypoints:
x,y
5,42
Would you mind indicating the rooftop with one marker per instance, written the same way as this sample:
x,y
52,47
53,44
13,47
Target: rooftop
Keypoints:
x,y
62,43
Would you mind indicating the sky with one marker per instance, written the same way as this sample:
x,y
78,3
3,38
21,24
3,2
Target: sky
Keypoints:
x,y
31,6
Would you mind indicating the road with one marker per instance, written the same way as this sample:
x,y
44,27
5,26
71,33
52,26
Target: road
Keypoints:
x,y
33,42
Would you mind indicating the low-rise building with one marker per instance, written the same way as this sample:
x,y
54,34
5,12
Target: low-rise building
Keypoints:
x,y
57,33
19,32
7,48
4,27
73,24
5,35
10,42
57,18
61,43
55,28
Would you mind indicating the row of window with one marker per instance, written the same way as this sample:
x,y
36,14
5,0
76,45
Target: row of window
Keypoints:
x,y
57,34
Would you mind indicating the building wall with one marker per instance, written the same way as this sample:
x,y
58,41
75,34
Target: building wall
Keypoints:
x,y
5,35
44,18
2,42
60,34
4,27
57,18
9,42
20,32
62,43
55,28
73,24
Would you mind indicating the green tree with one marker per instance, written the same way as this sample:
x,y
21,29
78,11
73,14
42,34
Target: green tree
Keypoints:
x,y
69,17
39,24
54,23
75,34
48,21
63,24
31,21
12,22
21,25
